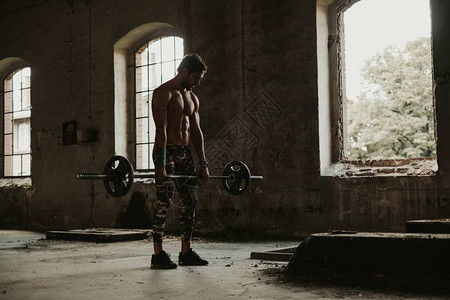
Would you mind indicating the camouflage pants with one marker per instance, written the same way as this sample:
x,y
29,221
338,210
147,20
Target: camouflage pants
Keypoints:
x,y
179,162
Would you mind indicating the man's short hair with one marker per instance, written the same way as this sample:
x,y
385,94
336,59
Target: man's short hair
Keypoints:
x,y
193,63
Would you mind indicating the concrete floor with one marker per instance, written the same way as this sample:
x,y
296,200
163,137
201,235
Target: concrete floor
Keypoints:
x,y
32,267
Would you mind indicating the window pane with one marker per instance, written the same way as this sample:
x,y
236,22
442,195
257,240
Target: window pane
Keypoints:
x,y
168,48
141,79
142,56
8,84
168,70
8,102
8,144
26,165
22,136
179,47
8,123
17,99
154,50
142,161
151,131
26,78
155,76
17,80
9,166
142,130
142,102
26,99
177,63
17,165
151,163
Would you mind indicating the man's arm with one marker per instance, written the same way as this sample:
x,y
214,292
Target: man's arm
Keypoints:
x,y
198,140
160,101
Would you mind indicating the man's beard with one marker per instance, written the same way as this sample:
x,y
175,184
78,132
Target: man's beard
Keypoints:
x,y
187,86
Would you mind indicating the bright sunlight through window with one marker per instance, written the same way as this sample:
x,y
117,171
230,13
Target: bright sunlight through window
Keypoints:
x,y
17,125
388,80
156,63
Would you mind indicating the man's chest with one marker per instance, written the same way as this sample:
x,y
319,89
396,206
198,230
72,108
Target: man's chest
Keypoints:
x,y
182,103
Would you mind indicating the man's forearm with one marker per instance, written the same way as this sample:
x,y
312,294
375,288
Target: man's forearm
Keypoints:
x,y
199,146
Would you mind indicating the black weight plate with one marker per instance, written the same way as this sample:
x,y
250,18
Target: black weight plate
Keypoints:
x,y
240,177
120,176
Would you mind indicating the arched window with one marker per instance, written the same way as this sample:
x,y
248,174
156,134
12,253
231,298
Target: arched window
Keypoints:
x,y
16,97
156,62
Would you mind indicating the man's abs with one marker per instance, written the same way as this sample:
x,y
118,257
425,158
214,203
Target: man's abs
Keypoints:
x,y
178,127
178,131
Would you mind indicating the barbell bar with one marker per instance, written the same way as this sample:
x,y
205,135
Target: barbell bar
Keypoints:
x,y
118,176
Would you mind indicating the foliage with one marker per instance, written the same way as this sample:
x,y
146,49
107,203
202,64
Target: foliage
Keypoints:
x,y
393,118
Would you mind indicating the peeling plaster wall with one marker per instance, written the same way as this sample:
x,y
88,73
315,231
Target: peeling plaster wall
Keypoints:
x,y
259,105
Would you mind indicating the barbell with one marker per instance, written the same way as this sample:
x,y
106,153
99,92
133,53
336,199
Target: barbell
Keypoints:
x,y
118,176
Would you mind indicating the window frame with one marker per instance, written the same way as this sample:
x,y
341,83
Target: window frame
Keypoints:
x,y
124,84
332,110
15,65
176,60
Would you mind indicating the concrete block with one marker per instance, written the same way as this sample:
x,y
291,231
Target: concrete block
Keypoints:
x,y
394,254
428,226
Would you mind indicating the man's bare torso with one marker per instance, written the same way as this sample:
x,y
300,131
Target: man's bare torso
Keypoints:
x,y
180,107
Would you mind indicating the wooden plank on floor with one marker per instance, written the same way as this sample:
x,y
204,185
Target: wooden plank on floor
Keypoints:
x,y
99,235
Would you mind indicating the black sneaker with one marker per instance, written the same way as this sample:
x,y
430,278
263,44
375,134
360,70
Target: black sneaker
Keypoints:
x,y
162,261
190,258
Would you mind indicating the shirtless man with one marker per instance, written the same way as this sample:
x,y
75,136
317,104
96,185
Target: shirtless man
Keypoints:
x,y
175,112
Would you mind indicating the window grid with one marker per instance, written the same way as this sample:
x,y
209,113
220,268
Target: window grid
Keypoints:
x,y
150,71
17,126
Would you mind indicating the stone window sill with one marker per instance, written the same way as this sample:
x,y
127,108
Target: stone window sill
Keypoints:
x,y
382,168
24,182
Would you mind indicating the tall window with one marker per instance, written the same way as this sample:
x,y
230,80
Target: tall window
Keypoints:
x,y
156,63
17,125
386,80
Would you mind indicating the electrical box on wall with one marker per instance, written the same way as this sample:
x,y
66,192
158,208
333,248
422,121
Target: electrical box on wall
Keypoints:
x,y
69,133
72,135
